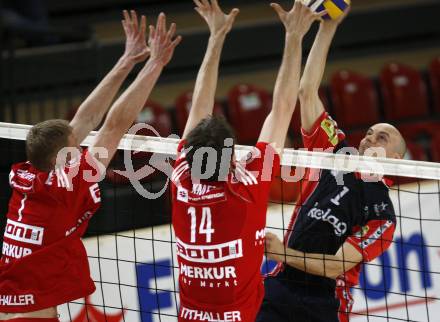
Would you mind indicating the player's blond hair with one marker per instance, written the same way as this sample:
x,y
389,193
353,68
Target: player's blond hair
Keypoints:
x,y
45,140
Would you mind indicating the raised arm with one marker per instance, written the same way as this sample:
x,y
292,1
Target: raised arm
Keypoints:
x,y
206,83
93,109
297,23
311,105
330,266
125,110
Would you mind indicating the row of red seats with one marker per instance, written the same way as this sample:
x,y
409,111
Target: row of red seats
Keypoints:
x,y
355,103
354,99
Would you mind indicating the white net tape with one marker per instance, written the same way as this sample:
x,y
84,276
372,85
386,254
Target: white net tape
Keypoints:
x,y
299,158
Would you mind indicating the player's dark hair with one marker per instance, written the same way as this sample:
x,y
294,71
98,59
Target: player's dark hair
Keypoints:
x,y
45,140
215,133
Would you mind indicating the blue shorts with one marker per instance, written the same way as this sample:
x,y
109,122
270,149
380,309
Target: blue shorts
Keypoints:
x,y
284,303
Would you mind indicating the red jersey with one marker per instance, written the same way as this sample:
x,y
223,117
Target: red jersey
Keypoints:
x,y
220,232
44,262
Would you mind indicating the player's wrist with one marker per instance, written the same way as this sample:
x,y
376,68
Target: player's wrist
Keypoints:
x,y
126,62
328,27
295,36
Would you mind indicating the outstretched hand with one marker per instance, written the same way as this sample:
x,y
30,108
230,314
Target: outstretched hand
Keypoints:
x,y
161,42
136,48
299,19
219,23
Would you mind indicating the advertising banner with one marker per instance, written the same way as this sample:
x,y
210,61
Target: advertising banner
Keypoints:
x,y
136,272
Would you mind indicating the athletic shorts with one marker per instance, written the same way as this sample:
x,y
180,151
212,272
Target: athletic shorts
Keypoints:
x,y
298,304
32,320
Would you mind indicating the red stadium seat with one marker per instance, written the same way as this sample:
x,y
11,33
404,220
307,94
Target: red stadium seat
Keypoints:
x,y
404,92
354,99
157,117
248,108
183,106
154,115
425,134
434,75
282,191
416,152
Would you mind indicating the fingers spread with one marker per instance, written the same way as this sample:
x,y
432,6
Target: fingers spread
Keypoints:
x,y
278,9
126,16
171,32
160,25
176,41
152,33
143,27
232,15
134,20
215,4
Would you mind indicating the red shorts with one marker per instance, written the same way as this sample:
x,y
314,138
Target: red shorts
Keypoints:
x,y
32,320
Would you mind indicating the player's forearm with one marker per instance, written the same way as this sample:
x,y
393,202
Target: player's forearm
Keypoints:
x,y
207,78
311,105
287,83
125,110
316,264
315,66
93,109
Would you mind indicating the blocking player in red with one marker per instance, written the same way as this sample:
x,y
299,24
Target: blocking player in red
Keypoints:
x,y
219,204
44,263
342,220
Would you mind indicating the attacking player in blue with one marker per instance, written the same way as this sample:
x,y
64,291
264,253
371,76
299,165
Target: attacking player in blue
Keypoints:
x,y
341,220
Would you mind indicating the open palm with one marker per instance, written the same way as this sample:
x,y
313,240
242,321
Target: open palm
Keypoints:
x,y
219,23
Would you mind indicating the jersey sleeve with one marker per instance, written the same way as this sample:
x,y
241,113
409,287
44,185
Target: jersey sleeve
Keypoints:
x,y
324,134
263,162
257,171
84,194
373,239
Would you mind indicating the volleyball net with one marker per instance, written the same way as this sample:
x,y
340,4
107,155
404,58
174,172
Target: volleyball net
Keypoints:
x,y
131,246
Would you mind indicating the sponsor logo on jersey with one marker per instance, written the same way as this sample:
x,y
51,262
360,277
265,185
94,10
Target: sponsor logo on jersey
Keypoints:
x,y
25,175
203,194
330,128
201,189
182,194
210,253
17,300
84,218
326,216
376,235
15,251
260,236
196,315
95,193
24,233
380,208
208,273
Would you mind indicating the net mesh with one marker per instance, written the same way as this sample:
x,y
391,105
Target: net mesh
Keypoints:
x,y
131,246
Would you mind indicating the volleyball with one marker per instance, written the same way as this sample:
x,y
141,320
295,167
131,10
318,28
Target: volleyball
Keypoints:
x,y
335,8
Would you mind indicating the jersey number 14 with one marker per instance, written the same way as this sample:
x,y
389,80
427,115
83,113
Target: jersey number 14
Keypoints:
x,y
205,224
